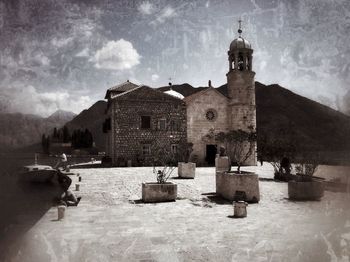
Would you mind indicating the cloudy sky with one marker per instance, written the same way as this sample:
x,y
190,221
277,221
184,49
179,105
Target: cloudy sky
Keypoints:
x,y
65,54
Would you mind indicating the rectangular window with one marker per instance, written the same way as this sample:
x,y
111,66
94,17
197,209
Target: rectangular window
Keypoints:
x,y
162,124
174,148
145,122
174,125
146,150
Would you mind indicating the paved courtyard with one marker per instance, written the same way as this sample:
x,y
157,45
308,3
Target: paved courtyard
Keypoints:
x,y
111,224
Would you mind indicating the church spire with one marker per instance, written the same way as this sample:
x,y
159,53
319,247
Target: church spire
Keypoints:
x,y
240,27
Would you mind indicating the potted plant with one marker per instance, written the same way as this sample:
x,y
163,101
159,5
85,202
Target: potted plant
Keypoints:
x,y
163,166
305,186
186,169
238,185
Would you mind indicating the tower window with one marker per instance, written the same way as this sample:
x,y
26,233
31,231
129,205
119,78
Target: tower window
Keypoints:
x,y
146,122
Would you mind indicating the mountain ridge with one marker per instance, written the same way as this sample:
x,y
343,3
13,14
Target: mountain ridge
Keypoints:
x,y
316,125
21,130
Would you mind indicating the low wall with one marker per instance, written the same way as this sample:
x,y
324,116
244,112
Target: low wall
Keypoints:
x,y
305,190
227,185
186,170
154,192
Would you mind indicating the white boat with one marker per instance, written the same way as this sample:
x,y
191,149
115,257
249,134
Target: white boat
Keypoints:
x,y
37,173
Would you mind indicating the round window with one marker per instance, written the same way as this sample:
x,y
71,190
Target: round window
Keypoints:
x,y
211,114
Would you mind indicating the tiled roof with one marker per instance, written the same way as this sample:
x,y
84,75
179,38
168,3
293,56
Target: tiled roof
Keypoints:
x,y
126,86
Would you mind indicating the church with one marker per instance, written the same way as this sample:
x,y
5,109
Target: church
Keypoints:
x,y
139,116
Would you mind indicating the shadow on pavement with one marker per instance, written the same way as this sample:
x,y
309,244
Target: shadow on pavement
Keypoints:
x,y
213,197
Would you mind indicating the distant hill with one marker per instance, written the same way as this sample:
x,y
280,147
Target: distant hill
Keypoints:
x,y
21,130
61,116
315,126
91,119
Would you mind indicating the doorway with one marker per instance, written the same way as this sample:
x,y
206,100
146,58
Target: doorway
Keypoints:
x,y
210,154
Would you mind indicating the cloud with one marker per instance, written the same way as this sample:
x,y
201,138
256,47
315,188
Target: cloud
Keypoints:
x,y
83,53
116,55
167,12
26,99
155,77
146,8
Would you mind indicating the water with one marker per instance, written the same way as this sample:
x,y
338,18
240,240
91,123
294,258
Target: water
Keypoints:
x,y
23,204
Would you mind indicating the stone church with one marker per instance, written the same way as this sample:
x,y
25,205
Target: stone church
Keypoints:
x,y
197,114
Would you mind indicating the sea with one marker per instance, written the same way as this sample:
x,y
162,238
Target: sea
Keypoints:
x,y
23,204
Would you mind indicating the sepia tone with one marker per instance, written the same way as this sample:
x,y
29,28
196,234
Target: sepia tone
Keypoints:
x,y
174,130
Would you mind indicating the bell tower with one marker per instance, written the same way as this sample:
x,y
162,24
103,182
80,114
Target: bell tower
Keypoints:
x,y
241,87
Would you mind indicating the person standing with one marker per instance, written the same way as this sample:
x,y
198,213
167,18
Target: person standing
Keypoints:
x,y
62,162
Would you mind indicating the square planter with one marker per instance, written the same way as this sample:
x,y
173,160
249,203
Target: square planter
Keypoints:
x,y
186,170
155,192
234,186
309,190
222,164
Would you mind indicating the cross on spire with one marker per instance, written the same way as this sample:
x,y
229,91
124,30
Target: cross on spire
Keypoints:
x,y
170,84
240,27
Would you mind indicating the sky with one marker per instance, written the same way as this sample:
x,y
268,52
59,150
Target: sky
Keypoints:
x,y
65,54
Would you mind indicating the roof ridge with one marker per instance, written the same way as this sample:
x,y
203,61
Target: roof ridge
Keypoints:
x,y
122,84
127,92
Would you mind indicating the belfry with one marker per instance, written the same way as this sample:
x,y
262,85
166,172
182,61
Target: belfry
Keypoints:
x,y
241,87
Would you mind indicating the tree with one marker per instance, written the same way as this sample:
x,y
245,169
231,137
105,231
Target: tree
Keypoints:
x,y
164,158
239,144
55,134
82,139
66,135
45,143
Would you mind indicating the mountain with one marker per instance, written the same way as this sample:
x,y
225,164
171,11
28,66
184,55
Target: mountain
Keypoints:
x,y
61,116
316,126
313,125
91,119
21,130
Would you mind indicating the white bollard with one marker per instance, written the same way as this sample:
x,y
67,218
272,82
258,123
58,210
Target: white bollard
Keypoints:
x,y
60,211
240,209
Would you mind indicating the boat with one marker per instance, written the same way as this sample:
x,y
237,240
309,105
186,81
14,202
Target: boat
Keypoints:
x,y
37,173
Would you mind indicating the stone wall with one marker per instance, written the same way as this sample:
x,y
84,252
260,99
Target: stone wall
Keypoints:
x,y
129,138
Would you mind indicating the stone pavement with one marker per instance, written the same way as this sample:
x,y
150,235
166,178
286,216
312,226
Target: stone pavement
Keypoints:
x,y
111,224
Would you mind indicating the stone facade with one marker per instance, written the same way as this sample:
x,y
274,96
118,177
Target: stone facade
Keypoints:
x,y
141,119
200,125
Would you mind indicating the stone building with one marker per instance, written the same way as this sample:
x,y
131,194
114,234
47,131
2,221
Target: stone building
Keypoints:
x,y
201,113
140,118
210,111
